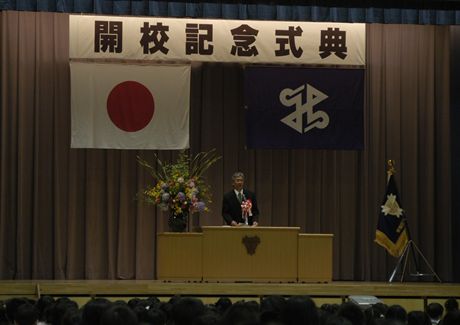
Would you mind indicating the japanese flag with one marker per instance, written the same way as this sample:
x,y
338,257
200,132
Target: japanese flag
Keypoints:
x,y
125,106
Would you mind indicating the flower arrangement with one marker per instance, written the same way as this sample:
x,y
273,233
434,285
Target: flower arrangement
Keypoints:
x,y
180,187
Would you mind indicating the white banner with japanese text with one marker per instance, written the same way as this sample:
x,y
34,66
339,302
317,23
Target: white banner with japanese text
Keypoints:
x,y
186,39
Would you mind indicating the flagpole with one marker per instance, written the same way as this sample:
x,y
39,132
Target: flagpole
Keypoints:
x,y
410,245
391,171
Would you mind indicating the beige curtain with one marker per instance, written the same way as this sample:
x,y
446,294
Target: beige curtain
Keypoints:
x,y
73,214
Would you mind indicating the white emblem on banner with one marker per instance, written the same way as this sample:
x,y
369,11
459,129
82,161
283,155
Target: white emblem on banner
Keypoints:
x,y
293,97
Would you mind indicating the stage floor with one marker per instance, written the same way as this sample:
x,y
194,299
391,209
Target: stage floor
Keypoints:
x,y
113,288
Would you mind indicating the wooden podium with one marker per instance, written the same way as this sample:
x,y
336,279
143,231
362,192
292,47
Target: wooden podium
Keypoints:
x,y
250,254
245,254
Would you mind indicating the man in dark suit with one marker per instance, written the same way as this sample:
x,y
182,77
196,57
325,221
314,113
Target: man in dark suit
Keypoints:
x,y
232,211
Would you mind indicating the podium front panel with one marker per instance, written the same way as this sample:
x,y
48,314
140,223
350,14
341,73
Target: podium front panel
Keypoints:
x,y
250,254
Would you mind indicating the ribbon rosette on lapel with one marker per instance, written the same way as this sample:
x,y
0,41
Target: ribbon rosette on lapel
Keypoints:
x,y
246,207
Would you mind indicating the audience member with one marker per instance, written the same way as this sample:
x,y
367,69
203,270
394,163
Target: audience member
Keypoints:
x,y
208,318
384,321
418,318
59,308
3,318
186,310
154,316
93,310
338,320
273,310
452,318
451,305
26,314
72,317
379,309
435,311
396,312
241,313
330,308
223,304
300,310
43,304
118,314
352,312
12,306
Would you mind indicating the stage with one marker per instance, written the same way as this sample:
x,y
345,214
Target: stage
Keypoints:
x,y
413,296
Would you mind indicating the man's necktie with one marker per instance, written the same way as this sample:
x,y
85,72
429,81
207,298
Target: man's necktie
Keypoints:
x,y
240,197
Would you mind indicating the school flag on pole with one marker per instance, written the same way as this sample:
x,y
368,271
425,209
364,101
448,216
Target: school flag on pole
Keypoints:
x,y
124,106
391,230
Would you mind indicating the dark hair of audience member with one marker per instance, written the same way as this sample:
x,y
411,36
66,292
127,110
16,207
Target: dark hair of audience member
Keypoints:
x,y
166,307
384,321
418,318
153,302
12,305
241,313
208,318
154,316
300,310
435,310
185,310
222,304
71,317
174,299
139,310
134,302
271,309
254,304
451,304
273,303
3,318
380,309
396,312
323,316
59,308
42,304
352,312
330,308
26,314
375,312
93,310
451,318
369,316
337,320
118,314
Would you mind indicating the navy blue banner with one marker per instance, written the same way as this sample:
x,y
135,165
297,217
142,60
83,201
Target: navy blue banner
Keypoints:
x,y
304,108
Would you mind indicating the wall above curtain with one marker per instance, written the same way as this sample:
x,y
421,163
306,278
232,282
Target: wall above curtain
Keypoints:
x,y
388,12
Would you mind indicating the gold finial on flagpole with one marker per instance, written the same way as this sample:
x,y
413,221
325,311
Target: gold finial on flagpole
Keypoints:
x,y
391,167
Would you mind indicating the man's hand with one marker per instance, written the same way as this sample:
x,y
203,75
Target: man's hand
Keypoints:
x,y
234,223
254,224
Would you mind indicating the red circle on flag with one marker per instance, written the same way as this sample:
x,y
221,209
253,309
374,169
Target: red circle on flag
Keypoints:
x,y
130,106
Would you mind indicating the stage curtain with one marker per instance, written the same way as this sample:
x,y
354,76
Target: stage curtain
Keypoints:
x,y
73,214
428,12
